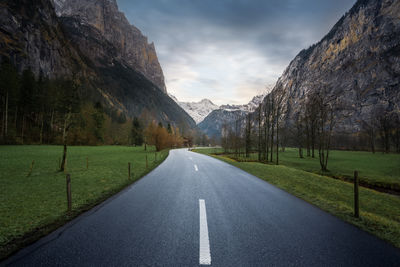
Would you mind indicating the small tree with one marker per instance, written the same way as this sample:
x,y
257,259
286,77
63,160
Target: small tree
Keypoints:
x,y
137,132
299,133
248,135
326,107
68,109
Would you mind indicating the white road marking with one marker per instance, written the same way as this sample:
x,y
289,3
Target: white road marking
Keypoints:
x,y
195,168
205,255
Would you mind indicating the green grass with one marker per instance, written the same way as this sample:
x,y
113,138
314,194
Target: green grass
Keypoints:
x,y
380,212
33,206
377,170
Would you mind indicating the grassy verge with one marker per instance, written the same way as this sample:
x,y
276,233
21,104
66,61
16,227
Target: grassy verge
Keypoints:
x,y
380,212
381,171
32,206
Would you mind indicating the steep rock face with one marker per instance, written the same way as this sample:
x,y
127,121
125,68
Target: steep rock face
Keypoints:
x,y
358,61
212,125
32,38
131,46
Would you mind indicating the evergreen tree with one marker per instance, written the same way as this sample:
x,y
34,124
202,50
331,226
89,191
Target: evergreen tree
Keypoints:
x,y
137,132
169,129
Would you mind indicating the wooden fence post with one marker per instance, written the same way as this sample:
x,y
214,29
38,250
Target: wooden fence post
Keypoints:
x,y
356,198
69,200
31,169
129,170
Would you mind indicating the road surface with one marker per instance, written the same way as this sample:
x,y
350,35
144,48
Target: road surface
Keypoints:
x,y
195,210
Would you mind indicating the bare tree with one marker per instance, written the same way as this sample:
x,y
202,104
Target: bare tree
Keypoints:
x,y
396,131
259,119
272,122
370,129
277,120
248,135
311,112
267,126
326,108
299,132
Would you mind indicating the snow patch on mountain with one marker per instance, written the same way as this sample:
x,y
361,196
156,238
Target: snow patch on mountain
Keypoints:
x,y
197,110
200,110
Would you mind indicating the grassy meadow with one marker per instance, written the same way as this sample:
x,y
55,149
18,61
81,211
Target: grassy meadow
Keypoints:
x,y
376,170
33,205
379,212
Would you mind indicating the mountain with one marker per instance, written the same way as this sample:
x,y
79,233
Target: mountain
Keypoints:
x,y
227,114
90,41
200,110
197,110
213,124
249,107
131,46
358,62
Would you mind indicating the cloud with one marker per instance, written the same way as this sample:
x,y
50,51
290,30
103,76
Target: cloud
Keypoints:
x,y
228,50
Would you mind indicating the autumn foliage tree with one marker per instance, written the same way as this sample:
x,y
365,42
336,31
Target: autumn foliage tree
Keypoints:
x,y
162,137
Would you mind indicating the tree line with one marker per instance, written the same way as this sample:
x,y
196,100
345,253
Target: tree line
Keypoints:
x,y
37,110
312,129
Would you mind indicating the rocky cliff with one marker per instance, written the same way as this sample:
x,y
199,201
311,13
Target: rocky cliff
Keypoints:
x,y
101,57
213,124
358,61
31,36
131,46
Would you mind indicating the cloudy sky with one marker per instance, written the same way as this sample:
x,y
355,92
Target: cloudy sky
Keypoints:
x,y
229,50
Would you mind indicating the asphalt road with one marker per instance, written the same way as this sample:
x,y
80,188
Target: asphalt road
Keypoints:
x,y
195,209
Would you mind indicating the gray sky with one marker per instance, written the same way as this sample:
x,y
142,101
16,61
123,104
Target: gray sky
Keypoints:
x,y
229,50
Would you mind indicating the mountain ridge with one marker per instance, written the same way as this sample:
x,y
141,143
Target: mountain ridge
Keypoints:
x,y
131,45
33,37
358,61
201,109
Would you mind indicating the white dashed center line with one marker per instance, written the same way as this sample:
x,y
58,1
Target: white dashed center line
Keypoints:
x,y
195,168
204,255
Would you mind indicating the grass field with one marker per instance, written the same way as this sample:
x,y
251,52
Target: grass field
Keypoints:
x,y
32,206
377,170
380,212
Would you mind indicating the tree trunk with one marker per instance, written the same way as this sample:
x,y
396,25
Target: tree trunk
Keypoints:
x,y
16,118
41,130
372,142
277,136
259,133
312,143
65,133
23,128
64,158
6,120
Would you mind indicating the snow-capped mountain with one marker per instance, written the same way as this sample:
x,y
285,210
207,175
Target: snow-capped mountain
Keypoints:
x,y
197,110
249,107
200,110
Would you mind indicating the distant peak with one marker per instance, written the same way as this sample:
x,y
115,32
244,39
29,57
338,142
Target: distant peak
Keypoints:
x,y
207,101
